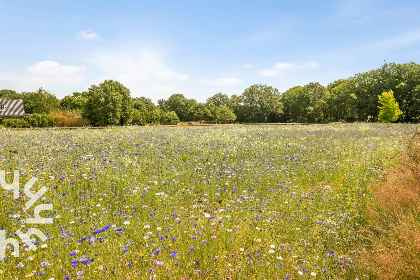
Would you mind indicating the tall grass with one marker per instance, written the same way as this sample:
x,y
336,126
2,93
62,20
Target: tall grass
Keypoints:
x,y
395,219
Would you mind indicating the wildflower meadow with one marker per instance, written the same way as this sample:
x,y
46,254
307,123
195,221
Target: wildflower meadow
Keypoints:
x,y
222,202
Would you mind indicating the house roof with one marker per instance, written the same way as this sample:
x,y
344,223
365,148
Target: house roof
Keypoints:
x,y
11,108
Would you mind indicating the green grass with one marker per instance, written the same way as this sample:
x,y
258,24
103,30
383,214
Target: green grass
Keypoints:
x,y
245,202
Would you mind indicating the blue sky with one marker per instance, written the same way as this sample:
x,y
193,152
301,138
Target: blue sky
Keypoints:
x,y
199,48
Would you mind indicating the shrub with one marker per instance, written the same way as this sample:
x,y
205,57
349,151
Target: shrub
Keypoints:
x,y
68,118
170,118
39,120
16,123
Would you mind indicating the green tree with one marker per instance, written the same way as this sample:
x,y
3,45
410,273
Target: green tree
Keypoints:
x,y
170,118
235,103
140,114
108,104
389,111
139,117
40,101
200,112
179,104
260,103
10,94
317,111
222,114
155,116
143,101
295,102
74,102
218,99
340,104
414,109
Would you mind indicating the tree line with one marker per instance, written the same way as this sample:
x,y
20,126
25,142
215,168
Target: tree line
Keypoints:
x,y
345,100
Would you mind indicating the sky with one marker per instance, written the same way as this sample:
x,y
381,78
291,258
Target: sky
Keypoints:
x,y
199,47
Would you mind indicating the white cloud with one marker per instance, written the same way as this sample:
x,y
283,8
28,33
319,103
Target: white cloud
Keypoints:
x,y
143,71
45,74
230,81
134,66
282,68
246,66
88,35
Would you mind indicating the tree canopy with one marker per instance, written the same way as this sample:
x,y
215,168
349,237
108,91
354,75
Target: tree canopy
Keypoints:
x,y
351,99
108,104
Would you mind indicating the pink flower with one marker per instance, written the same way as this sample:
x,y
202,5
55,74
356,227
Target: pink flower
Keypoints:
x,y
213,237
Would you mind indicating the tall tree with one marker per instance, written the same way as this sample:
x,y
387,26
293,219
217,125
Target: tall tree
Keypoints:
x,y
295,102
260,103
222,114
340,104
200,112
147,102
317,111
179,104
218,99
39,102
108,104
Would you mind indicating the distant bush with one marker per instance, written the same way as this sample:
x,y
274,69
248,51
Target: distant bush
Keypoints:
x,y
68,118
39,120
35,120
16,123
170,118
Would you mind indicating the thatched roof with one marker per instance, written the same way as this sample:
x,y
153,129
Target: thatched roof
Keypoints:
x,y
11,108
